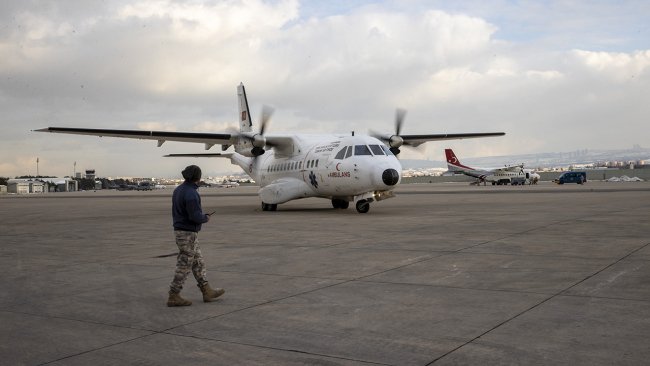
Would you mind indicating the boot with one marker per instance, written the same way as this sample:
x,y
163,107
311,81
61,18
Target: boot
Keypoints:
x,y
208,293
175,299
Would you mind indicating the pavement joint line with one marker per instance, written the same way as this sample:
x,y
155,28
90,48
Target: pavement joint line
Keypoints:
x,y
604,297
606,267
77,320
461,288
547,299
287,297
97,349
540,303
3,308
274,348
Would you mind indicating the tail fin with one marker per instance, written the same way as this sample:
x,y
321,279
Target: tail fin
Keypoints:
x,y
451,158
245,123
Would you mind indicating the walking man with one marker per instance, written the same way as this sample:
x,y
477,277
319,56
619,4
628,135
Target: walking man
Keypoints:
x,y
188,217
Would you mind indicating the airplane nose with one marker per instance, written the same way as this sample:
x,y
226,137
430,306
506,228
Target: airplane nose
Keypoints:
x,y
390,177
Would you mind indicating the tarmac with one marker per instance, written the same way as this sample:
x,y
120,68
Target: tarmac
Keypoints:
x,y
442,274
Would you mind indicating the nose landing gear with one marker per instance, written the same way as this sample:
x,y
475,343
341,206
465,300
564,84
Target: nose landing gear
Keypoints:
x,y
269,207
363,206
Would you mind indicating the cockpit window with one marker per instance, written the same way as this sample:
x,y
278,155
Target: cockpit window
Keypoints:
x,y
361,150
349,152
376,150
387,150
341,154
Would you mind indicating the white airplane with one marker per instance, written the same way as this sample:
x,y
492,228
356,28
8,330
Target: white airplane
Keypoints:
x,y
343,168
496,176
223,184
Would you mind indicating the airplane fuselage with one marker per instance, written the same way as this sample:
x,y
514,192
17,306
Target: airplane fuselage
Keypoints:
x,y
328,166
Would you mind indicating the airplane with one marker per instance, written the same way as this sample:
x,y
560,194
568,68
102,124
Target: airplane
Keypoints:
x,y
496,176
340,167
222,184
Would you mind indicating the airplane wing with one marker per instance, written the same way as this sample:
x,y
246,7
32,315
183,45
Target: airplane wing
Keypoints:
x,y
511,168
416,140
161,136
215,155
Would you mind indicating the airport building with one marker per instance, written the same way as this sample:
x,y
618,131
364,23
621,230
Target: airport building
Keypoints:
x,y
90,174
3,189
18,187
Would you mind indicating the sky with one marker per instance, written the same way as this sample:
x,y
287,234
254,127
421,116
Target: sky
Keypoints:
x,y
555,76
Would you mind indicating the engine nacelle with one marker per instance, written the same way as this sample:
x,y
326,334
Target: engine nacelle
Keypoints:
x,y
251,145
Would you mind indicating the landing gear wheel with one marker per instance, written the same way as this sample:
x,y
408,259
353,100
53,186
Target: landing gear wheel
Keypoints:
x,y
363,206
336,203
269,207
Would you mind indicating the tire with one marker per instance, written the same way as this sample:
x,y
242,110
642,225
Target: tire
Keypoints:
x,y
336,203
265,207
494,183
362,206
273,207
344,205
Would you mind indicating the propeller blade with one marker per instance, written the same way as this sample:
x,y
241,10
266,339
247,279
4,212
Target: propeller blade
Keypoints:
x,y
267,113
399,119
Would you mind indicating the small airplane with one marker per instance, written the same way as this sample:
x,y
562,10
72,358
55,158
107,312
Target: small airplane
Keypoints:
x,y
223,184
343,168
498,176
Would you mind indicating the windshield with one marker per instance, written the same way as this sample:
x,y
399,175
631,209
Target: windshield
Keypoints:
x,y
387,150
361,150
341,154
376,150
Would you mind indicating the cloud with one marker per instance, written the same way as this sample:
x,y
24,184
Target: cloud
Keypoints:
x,y
167,65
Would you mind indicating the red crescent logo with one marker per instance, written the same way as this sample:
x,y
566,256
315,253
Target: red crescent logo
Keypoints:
x,y
455,160
337,166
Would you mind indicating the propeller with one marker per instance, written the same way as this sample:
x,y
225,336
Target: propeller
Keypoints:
x,y
396,141
258,140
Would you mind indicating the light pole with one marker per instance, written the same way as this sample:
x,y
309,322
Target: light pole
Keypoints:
x,y
36,167
74,171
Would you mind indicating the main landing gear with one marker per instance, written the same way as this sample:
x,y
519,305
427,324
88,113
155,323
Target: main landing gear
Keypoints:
x,y
269,207
363,206
340,204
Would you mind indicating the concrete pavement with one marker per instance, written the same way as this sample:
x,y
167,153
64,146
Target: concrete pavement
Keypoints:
x,y
443,274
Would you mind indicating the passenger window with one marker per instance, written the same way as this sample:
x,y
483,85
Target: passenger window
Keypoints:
x,y
292,167
361,150
316,163
341,154
349,152
300,165
376,150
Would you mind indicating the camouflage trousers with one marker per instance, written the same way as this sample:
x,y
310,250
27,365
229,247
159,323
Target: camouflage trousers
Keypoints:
x,y
189,259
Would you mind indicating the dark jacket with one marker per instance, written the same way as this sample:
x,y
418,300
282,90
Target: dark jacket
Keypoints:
x,y
186,207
